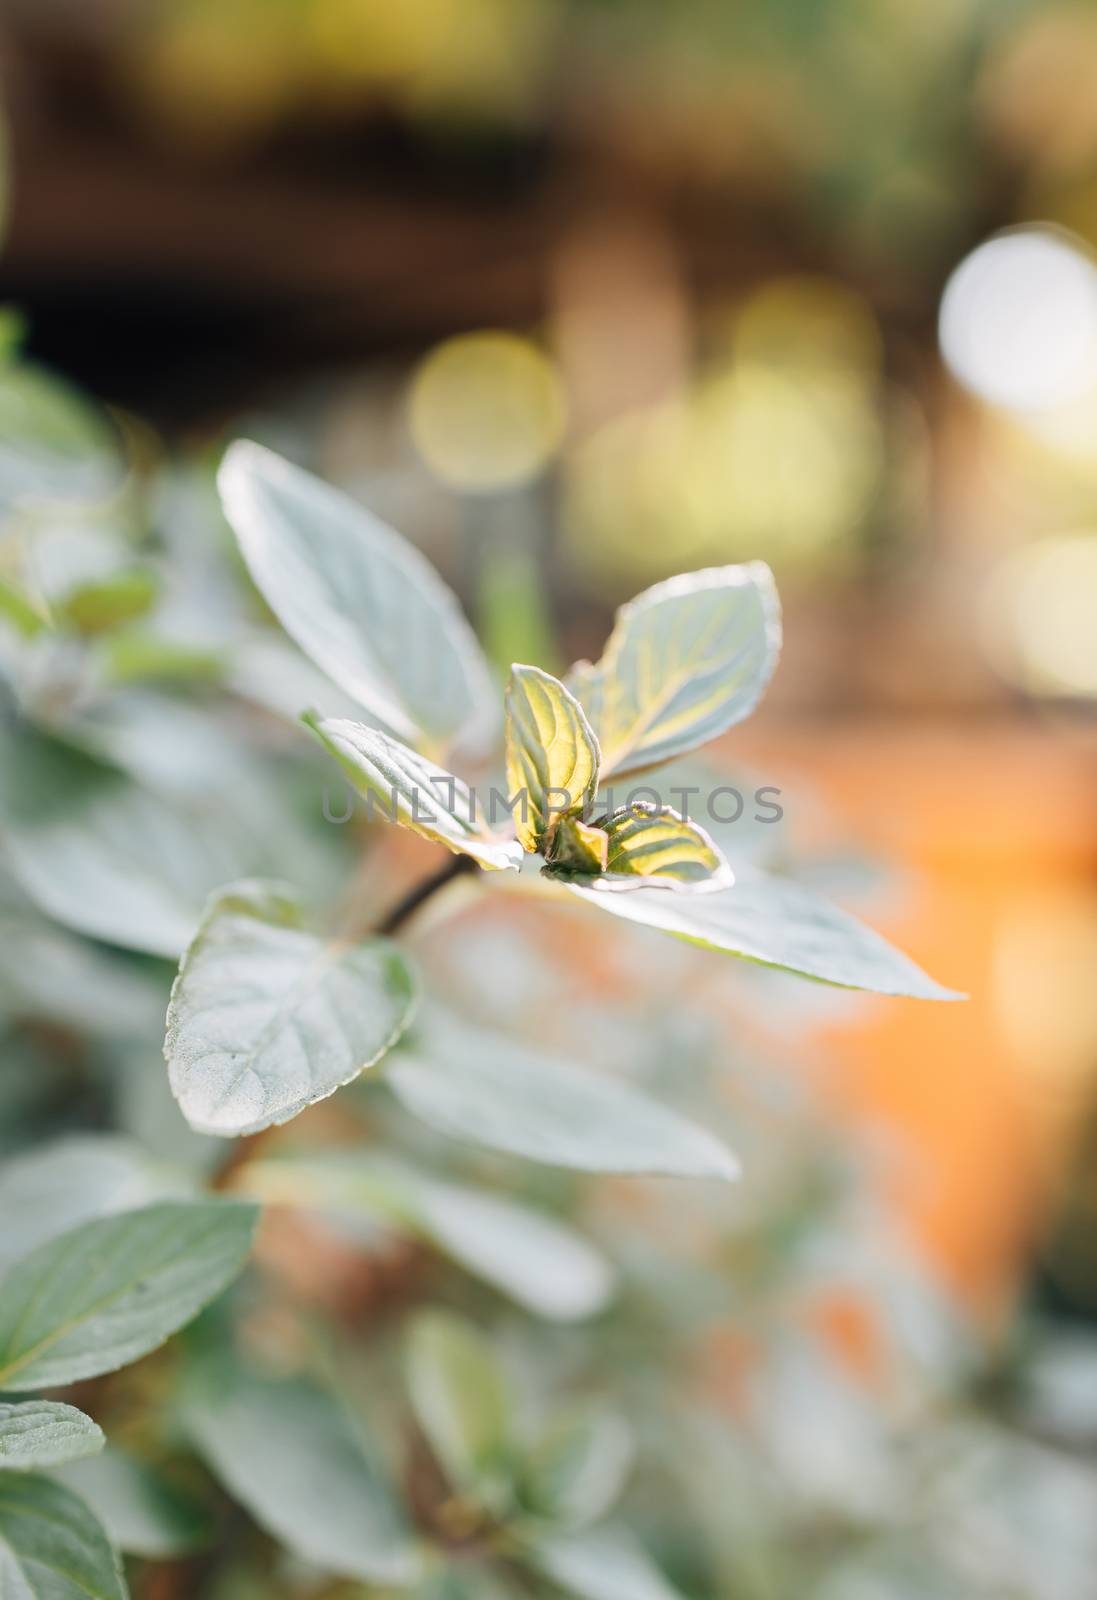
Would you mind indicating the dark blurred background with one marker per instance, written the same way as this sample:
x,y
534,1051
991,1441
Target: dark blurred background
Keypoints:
x,y
582,294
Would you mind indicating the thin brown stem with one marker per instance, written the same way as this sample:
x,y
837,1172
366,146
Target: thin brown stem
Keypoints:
x,y
405,908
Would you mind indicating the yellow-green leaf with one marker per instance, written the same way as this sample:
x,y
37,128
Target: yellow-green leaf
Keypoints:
x,y
552,754
652,846
579,847
686,660
407,789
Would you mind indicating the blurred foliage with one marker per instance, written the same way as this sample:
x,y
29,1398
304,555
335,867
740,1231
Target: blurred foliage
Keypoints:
x,y
559,1383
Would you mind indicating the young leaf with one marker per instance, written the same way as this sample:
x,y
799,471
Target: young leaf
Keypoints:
x,y
552,755
537,1260
778,923
577,1470
51,1547
686,660
605,1563
44,1433
462,1403
266,1018
578,849
495,1092
142,1513
362,602
654,846
410,790
288,1452
113,1289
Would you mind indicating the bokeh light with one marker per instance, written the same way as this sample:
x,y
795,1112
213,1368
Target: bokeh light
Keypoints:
x,y
1018,322
776,447
1040,616
487,411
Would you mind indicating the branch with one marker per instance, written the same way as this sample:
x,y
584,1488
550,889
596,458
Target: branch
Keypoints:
x,y
405,909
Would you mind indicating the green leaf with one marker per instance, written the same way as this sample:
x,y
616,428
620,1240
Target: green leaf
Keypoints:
x,y
288,1451
43,1433
408,789
13,324
17,609
778,923
686,660
605,1563
552,755
267,1018
486,1088
462,1403
51,1547
578,849
113,1289
138,655
54,446
578,1468
537,1260
466,1579
49,973
652,845
105,855
362,602
142,1512
55,1187
98,607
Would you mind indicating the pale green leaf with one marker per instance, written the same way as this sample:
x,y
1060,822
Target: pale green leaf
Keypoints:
x,y
491,1090
269,670
48,1190
48,972
367,607
653,846
534,1258
266,1018
141,655
290,1454
44,1433
552,755
51,1547
105,855
467,1579
462,1403
780,924
142,1513
408,789
82,573
577,1470
55,448
113,1289
605,1563
686,660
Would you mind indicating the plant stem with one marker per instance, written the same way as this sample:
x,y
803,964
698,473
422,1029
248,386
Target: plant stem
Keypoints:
x,y
405,908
